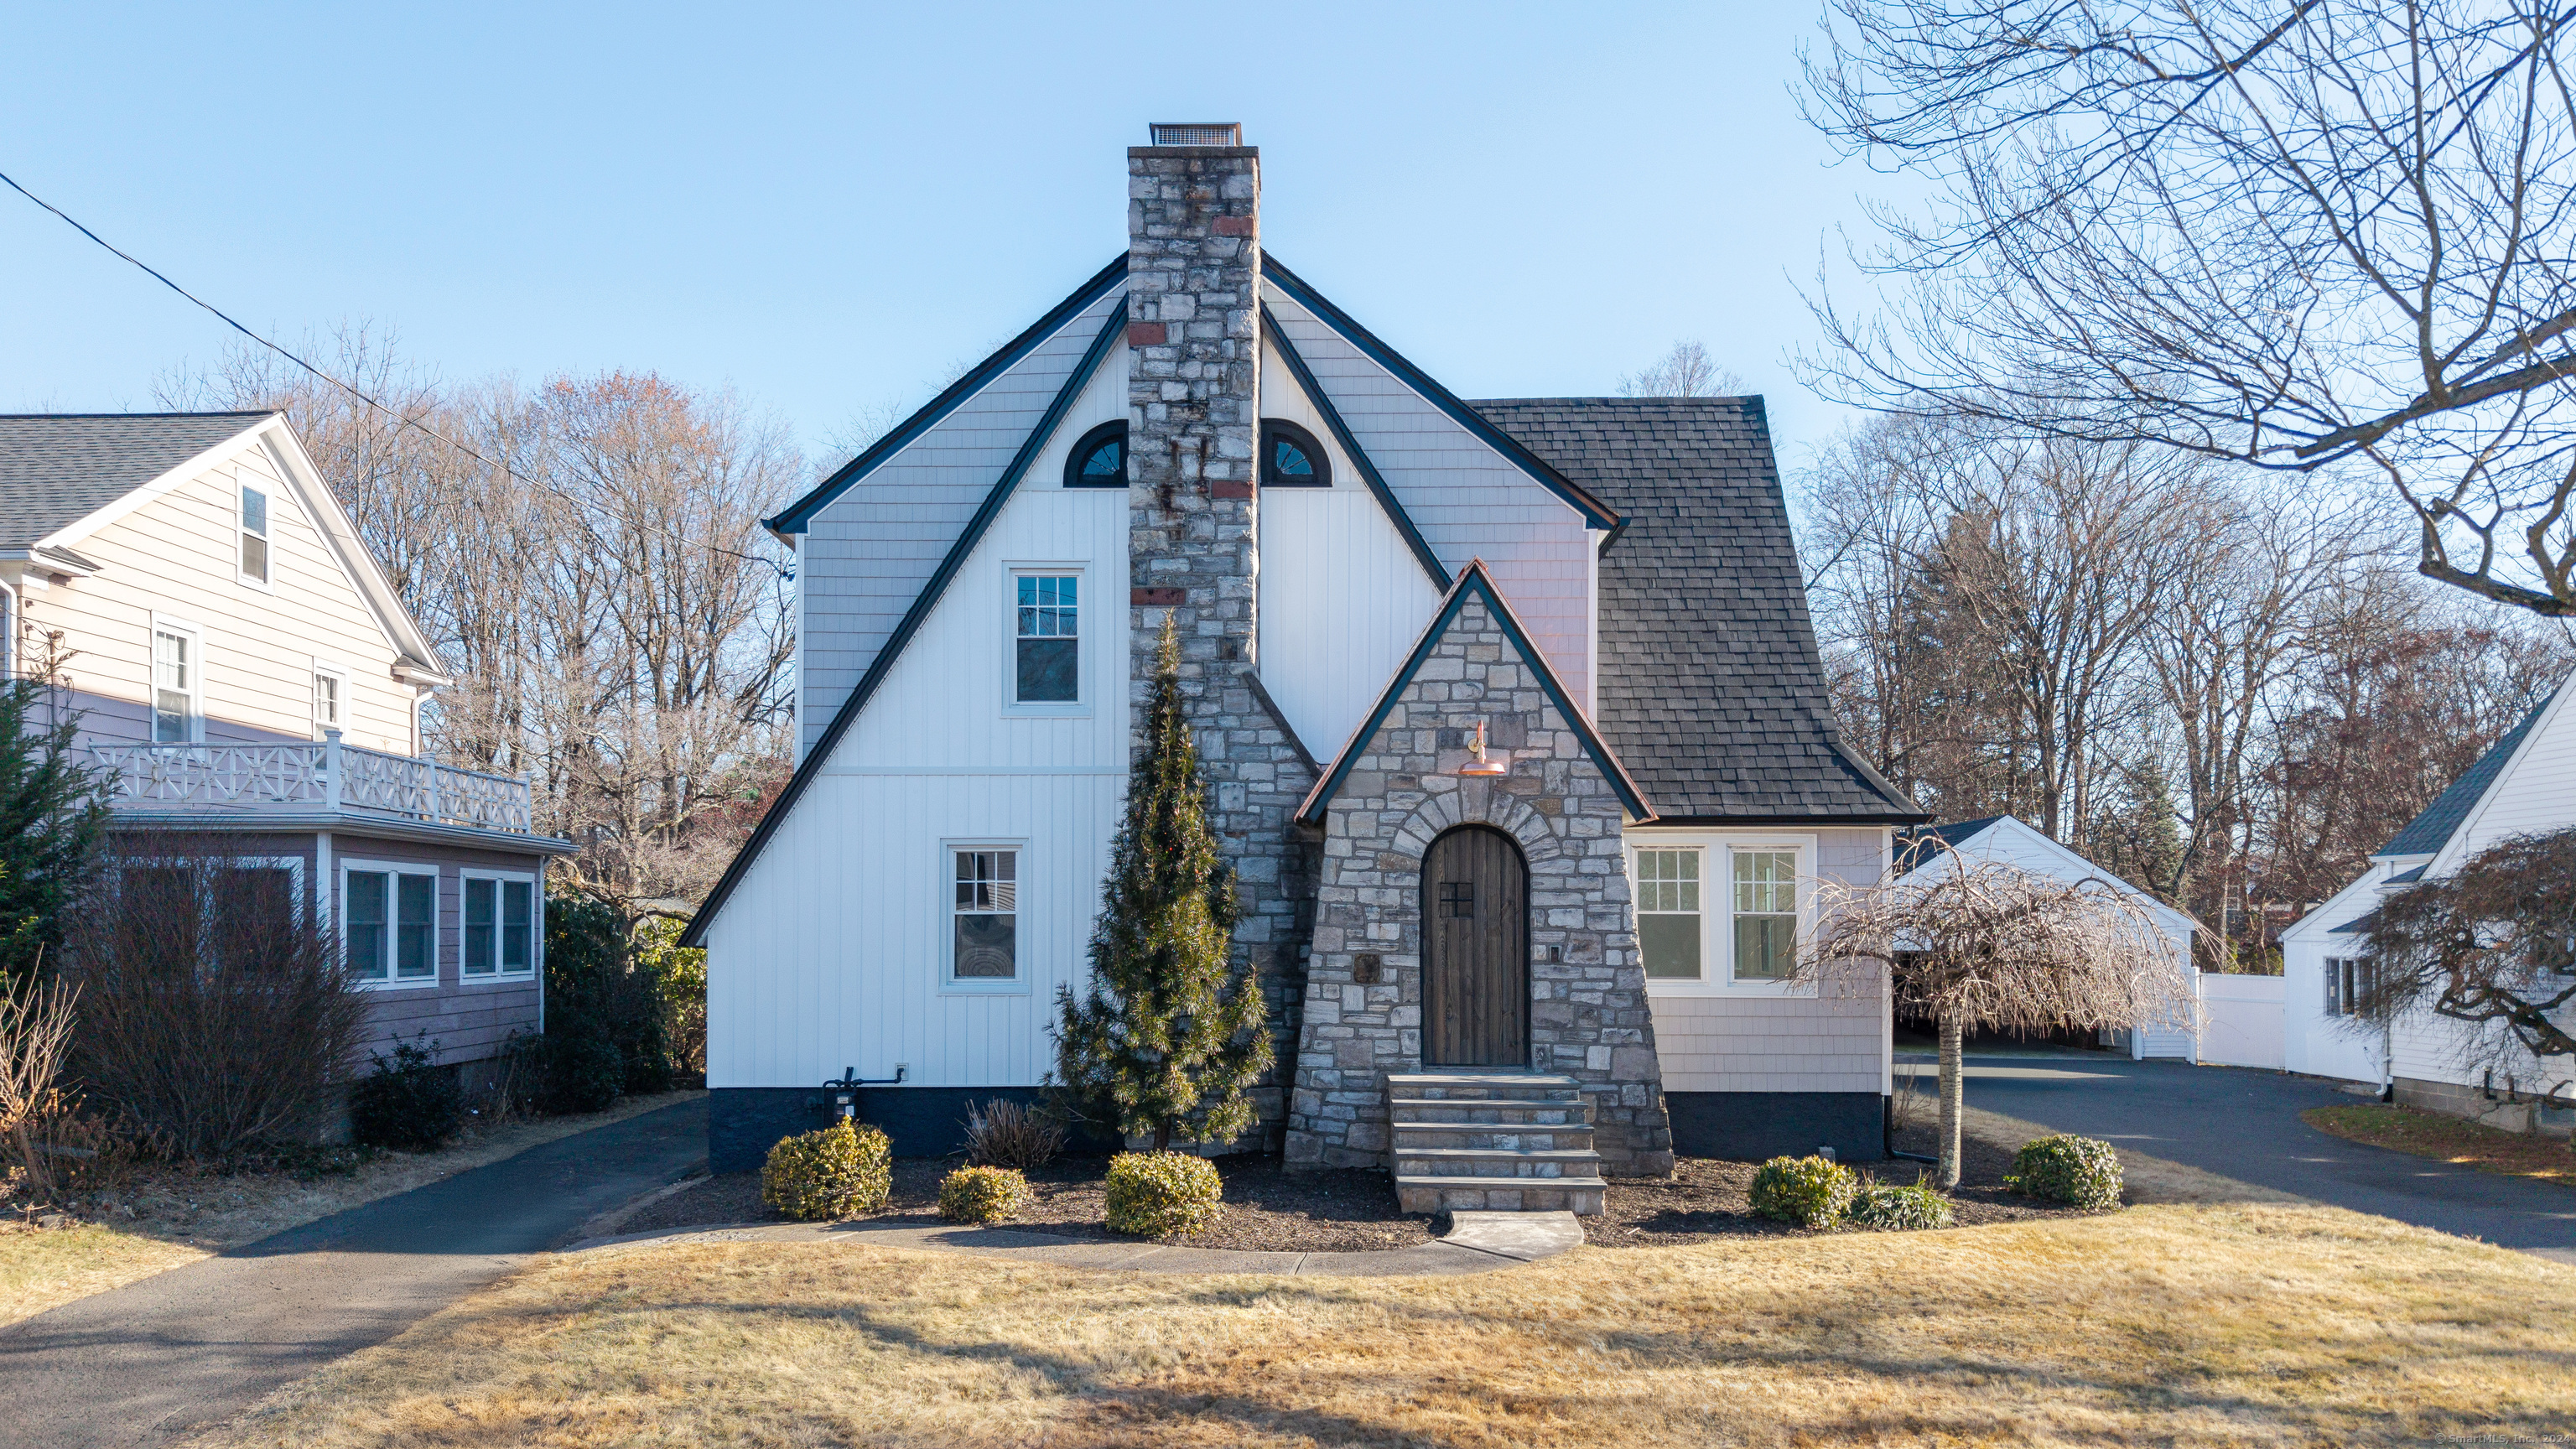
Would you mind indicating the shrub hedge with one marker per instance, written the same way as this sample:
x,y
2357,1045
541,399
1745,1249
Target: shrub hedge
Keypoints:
x,y
1809,1191
838,1172
982,1195
1157,1194
2080,1171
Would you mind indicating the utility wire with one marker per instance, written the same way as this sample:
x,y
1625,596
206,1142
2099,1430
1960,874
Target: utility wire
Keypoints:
x,y
396,414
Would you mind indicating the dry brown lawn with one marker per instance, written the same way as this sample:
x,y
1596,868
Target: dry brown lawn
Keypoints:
x,y
178,1217
2252,1323
2468,1144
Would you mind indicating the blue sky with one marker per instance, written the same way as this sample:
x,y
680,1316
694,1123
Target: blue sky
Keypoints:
x,y
828,208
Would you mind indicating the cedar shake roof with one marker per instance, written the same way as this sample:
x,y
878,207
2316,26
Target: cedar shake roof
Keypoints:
x,y
1710,689
59,468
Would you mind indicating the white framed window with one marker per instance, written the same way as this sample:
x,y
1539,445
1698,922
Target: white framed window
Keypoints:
x,y
1046,636
236,906
497,934
253,533
178,683
389,922
2347,980
1721,914
983,893
1670,930
330,698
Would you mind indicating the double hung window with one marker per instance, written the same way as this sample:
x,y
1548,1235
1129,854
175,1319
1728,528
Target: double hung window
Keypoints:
x,y
1766,914
1049,638
500,926
1668,915
254,535
984,939
176,684
389,922
330,690
1713,915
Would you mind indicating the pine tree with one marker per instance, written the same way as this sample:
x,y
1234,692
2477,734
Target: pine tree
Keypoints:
x,y
53,817
1170,1034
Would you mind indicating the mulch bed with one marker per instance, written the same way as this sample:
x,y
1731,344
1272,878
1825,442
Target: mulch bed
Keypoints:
x,y
1269,1209
1266,1209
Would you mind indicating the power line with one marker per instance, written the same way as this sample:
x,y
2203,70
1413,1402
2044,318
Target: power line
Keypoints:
x,y
396,414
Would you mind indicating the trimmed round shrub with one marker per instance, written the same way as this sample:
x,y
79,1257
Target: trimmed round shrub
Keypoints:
x,y
1157,1194
408,1101
1893,1208
982,1195
1809,1191
2079,1171
839,1172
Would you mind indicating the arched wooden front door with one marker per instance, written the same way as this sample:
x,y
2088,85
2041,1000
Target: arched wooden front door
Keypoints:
x,y
1475,951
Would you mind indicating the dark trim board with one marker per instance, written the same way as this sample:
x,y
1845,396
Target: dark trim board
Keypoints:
x,y
743,1123
1754,1126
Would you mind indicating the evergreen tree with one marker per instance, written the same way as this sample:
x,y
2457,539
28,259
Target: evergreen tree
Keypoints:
x,y
1170,1034
53,817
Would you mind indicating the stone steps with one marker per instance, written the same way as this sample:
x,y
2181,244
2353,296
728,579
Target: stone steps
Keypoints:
x,y
1492,1142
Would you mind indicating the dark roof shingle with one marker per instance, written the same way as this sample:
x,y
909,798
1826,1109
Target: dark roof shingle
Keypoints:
x,y
1710,686
2427,833
59,468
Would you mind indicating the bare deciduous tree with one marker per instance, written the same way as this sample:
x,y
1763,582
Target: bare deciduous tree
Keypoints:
x,y
1686,371
2298,236
1982,944
35,1035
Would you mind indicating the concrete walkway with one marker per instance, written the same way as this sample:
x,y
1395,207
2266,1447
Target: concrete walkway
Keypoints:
x,y
146,1363
1476,1243
2243,1123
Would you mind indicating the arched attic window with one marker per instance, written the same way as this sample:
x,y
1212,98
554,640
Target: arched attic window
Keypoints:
x,y
1098,459
1291,458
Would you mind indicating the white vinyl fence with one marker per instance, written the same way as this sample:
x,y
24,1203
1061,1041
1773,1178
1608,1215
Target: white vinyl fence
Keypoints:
x,y
2240,1020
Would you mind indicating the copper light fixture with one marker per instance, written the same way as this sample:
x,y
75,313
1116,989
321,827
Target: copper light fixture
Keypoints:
x,y
1481,765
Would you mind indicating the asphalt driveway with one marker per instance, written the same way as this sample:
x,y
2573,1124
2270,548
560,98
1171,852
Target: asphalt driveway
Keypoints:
x,y
2243,1123
146,1363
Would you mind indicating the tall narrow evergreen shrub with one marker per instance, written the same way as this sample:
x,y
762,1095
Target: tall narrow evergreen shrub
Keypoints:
x,y
1170,1034
53,819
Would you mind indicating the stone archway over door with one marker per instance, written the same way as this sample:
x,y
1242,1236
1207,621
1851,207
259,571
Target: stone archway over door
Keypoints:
x,y
1475,951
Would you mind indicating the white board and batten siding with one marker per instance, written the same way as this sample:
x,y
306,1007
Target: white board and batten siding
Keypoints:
x,y
865,557
1342,597
176,557
834,949
1465,499
1720,1036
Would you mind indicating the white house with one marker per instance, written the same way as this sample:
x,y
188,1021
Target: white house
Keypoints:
x,y
2008,841
2524,784
1592,920
250,684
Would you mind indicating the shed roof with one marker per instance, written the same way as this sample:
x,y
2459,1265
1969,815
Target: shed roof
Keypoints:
x,y
1710,686
59,468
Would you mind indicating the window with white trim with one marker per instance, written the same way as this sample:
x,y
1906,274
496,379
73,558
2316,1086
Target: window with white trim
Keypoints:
x,y
254,535
177,684
500,912
985,915
2347,981
389,923
1048,637
330,698
1669,924
1765,914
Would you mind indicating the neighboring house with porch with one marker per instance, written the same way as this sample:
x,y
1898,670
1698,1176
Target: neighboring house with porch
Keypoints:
x,y
1584,926
2524,784
252,684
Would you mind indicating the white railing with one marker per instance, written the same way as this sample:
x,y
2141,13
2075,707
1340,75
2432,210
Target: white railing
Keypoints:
x,y
327,776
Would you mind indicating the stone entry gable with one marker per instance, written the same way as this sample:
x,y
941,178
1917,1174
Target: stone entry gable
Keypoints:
x,y
1382,805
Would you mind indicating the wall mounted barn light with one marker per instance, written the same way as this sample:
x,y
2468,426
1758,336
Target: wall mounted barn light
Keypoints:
x,y
1478,764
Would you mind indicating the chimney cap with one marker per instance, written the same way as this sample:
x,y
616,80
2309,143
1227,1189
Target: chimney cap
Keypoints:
x,y
1196,133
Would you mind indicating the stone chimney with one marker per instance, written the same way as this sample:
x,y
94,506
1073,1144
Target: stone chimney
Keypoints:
x,y
1194,524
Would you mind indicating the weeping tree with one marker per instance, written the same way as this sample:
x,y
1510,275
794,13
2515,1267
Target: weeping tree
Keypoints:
x,y
1986,944
2493,944
1169,1036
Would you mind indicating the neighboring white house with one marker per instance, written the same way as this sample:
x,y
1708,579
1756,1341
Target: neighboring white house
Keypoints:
x,y
2008,841
250,682
1370,575
2524,784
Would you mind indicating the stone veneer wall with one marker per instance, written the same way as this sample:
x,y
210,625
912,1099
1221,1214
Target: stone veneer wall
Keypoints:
x,y
1193,418
1588,1013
